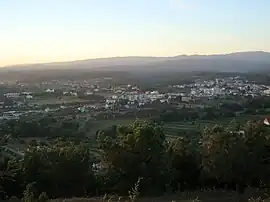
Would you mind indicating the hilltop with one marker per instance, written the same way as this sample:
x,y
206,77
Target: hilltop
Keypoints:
x,y
232,62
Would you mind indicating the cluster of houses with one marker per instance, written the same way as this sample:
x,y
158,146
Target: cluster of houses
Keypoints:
x,y
130,95
141,98
225,86
27,95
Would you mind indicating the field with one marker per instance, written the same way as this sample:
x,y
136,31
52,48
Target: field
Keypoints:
x,y
174,128
177,128
54,100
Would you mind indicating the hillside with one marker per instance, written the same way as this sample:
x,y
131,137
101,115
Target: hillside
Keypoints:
x,y
233,62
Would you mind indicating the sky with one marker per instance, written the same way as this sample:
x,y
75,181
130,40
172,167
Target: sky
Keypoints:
x,y
35,31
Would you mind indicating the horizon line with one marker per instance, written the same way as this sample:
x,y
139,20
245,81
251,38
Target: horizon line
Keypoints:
x,y
112,57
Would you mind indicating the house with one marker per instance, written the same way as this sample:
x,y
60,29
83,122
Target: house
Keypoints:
x,y
11,115
186,99
29,97
27,93
163,100
49,90
82,109
114,97
267,121
88,93
12,95
74,94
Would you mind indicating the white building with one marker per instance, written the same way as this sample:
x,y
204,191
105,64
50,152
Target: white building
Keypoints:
x,y
12,95
74,94
114,97
88,93
186,99
29,97
49,90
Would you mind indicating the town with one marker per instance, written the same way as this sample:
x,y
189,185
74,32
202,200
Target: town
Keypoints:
x,y
97,97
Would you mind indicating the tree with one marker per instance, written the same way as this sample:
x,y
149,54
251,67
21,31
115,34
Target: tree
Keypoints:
x,y
56,170
236,157
185,165
137,151
8,102
43,127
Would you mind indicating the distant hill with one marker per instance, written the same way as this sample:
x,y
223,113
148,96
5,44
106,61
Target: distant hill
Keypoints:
x,y
233,62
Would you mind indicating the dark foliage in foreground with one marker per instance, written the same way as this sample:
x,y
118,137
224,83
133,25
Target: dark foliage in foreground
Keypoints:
x,y
232,158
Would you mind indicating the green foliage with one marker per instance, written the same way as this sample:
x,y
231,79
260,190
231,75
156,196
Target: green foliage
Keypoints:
x,y
56,169
238,157
43,197
28,194
134,192
231,157
185,167
134,152
44,127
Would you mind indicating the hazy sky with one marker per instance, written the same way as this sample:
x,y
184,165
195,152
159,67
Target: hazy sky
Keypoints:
x,y
61,30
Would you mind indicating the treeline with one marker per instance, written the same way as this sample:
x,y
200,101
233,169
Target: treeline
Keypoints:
x,y
231,157
50,127
192,114
225,109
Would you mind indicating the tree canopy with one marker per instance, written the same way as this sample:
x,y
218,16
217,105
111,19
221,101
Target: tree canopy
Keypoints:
x,y
231,157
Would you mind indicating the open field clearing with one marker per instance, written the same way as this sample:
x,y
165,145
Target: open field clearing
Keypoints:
x,y
176,128
63,100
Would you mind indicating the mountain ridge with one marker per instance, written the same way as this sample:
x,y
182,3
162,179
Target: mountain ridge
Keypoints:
x,y
246,60
146,57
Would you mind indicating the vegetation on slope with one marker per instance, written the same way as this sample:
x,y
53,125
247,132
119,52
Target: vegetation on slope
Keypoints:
x,y
231,158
